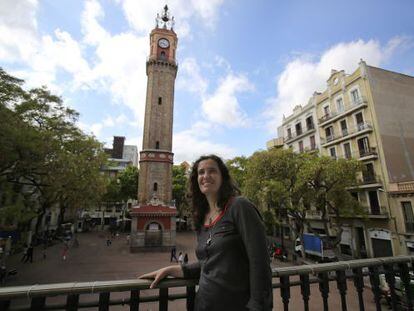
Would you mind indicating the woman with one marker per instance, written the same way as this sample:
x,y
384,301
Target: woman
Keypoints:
x,y
233,264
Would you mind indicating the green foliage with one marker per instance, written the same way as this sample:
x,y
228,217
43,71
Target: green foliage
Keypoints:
x,y
44,153
237,169
179,189
287,184
123,187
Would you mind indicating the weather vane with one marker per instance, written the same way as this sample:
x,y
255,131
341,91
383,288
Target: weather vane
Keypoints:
x,y
164,20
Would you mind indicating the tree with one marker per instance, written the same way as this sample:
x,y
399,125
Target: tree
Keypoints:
x,y
123,187
288,184
45,159
237,169
179,189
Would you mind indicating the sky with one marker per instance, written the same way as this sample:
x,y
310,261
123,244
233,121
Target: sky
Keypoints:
x,y
242,64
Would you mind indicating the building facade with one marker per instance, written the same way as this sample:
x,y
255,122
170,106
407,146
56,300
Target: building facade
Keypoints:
x,y
368,115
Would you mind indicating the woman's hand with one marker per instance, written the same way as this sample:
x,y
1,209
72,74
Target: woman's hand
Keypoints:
x,y
162,273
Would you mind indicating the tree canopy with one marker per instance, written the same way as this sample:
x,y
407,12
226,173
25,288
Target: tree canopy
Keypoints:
x,y
45,159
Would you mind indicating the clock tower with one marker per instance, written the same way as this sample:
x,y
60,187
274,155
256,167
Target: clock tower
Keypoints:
x,y
153,220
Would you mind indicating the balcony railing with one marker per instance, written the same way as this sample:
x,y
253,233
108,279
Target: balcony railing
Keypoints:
x,y
298,134
109,293
347,134
332,116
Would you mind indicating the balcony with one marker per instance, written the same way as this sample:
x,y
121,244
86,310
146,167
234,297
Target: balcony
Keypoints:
x,y
330,281
333,116
362,155
297,135
360,129
313,215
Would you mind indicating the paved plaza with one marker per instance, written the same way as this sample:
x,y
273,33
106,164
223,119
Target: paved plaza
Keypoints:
x,y
93,260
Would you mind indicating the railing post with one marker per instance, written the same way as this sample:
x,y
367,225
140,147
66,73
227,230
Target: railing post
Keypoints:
x,y
390,277
341,283
38,303
359,285
324,288
163,299
375,282
190,298
72,302
285,291
305,290
104,301
405,278
134,304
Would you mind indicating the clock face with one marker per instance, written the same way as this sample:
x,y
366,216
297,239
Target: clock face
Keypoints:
x,y
163,43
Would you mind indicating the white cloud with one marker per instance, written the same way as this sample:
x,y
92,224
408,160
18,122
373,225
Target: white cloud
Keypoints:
x,y
141,16
303,76
192,143
18,27
190,77
223,107
92,31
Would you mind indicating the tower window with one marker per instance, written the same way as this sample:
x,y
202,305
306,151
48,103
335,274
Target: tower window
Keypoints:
x,y
162,55
155,187
157,145
159,100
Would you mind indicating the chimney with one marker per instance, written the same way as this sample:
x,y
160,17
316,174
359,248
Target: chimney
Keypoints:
x,y
118,147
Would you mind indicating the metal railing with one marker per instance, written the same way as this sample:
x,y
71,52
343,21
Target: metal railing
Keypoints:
x,y
394,269
331,115
347,134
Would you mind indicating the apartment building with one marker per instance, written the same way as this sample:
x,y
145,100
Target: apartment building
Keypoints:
x,y
367,115
298,130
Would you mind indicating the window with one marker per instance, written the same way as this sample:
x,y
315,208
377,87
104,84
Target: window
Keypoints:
x,y
162,56
155,188
309,123
300,146
355,96
374,203
159,100
359,119
344,128
312,142
298,128
326,111
368,173
329,132
340,105
332,152
363,146
289,133
157,145
408,216
347,151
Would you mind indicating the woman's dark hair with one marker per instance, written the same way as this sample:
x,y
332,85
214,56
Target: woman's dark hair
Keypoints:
x,y
198,199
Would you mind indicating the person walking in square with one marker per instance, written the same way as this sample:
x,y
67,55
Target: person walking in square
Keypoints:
x,y
29,256
173,254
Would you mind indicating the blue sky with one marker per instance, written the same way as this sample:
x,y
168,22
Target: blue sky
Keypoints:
x,y
242,64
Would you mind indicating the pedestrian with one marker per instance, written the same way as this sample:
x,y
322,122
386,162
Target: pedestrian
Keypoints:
x,y
180,258
23,259
65,250
173,256
127,239
108,241
185,258
29,255
233,265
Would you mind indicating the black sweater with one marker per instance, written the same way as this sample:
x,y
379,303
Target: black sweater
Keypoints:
x,y
233,263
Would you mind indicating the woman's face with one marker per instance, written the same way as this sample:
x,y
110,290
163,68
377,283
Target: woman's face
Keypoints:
x,y
209,177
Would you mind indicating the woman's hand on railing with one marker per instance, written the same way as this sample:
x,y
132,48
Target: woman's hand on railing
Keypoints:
x,y
175,271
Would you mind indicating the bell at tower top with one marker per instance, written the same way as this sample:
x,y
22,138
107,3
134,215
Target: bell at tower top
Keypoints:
x,y
164,20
